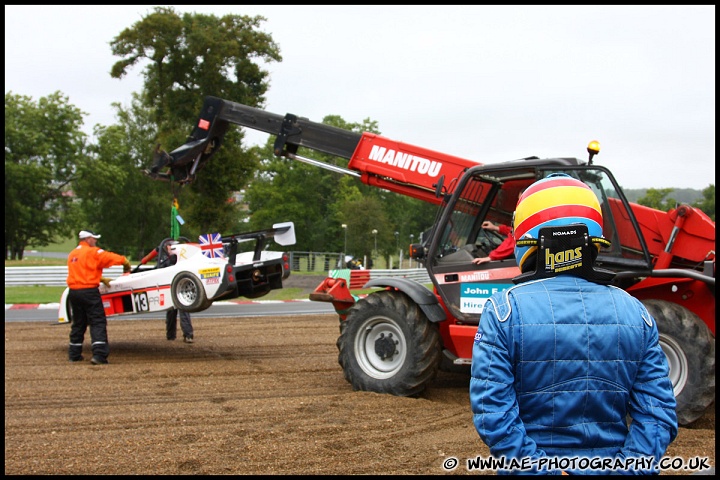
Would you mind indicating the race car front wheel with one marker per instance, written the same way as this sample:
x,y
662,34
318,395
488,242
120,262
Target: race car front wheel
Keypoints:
x,y
188,293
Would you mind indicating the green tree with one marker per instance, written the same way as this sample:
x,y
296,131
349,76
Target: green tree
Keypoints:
x,y
287,190
347,191
185,59
130,210
707,203
655,198
321,201
308,195
409,216
366,214
43,144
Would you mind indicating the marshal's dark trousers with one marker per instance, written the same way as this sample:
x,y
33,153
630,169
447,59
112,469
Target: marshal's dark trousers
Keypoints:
x,y
88,311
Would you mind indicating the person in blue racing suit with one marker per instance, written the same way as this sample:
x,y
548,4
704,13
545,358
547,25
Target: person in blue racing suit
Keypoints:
x,y
567,373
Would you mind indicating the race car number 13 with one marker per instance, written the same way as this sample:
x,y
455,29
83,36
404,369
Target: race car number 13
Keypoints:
x,y
141,302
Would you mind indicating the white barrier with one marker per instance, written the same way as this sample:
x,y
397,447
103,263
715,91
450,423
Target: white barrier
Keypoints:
x,y
47,276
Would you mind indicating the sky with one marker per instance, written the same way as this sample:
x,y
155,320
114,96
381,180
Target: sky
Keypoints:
x,y
486,83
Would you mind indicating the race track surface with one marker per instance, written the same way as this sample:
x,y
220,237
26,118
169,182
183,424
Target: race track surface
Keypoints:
x,y
251,396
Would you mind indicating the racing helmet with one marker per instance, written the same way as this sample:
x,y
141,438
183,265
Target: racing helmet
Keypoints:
x,y
555,200
169,244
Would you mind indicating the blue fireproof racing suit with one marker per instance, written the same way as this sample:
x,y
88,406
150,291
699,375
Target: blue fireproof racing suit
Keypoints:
x,y
558,366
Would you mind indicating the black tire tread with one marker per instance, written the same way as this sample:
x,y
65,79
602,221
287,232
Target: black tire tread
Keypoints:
x,y
422,336
698,344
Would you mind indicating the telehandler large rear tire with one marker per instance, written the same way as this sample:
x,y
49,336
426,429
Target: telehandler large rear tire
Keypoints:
x,y
388,345
690,350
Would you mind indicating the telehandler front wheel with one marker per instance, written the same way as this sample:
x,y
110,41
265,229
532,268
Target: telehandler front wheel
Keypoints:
x,y
387,345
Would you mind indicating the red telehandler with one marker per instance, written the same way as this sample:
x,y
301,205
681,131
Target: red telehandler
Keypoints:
x,y
395,339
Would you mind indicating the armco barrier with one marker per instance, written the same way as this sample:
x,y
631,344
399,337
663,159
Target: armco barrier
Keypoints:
x,y
358,278
47,276
56,276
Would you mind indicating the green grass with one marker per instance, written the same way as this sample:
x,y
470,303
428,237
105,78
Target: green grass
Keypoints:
x,y
33,294
36,262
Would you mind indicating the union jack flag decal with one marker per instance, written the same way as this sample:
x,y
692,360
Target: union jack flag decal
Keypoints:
x,y
211,245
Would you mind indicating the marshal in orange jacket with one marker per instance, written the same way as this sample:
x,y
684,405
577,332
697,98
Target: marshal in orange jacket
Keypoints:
x,y
86,264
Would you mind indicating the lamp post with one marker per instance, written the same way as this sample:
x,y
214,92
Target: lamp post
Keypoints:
x,y
344,227
374,232
412,237
344,252
397,247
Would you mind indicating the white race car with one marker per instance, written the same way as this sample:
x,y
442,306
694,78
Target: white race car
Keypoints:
x,y
196,280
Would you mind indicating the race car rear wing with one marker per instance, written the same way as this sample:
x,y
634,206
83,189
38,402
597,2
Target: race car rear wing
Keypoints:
x,y
282,233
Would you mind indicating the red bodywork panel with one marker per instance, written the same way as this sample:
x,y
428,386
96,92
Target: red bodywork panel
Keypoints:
x,y
694,239
117,303
406,169
459,338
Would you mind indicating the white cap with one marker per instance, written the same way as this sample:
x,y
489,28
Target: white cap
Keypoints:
x,y
87,234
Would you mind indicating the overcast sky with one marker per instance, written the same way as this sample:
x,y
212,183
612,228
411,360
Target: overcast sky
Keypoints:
x,y
487,83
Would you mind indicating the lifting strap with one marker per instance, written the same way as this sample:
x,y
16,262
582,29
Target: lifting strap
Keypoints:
x,y
174,222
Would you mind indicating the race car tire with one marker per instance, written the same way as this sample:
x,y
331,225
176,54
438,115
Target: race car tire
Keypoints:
x,y
690,350
68,311
207,304
388,345
188,293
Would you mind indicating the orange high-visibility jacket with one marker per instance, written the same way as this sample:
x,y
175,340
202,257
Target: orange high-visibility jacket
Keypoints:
x,y
86,264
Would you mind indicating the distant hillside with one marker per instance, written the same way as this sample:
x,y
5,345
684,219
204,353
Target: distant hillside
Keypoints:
x,y
682,195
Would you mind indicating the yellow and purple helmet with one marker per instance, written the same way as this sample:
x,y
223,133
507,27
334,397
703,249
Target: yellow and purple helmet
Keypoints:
x,y
556,200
